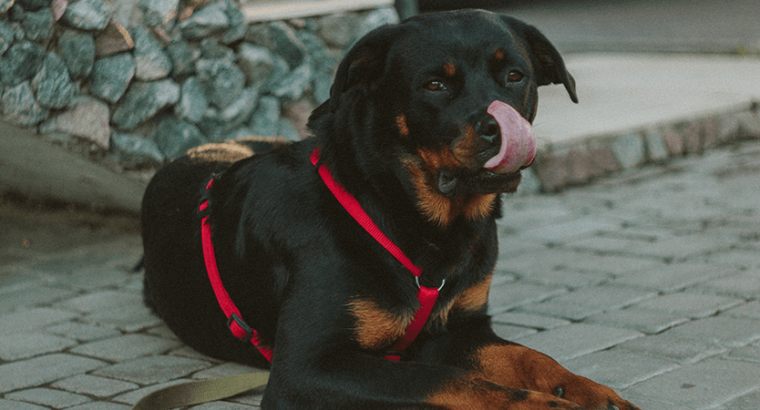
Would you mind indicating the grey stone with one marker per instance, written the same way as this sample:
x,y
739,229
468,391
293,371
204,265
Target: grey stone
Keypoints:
x,y
152,370
568,342
322,58
673,277
338,30
375,19
222,79
673,348
193,103
744,285
529,320
5,5
690,305
629,150
507,296
32,319
643,320
7,36
287,130
95,386
134,396
143,101
134,151
241,109
42,370
23,345
279,38
53,83
656,149
19,105
100,406
280,70
21,62
111,76
128,319
749,401
87,14
16,13
293,86
604,367
88,118
256,62
125,347
236,27
102,300
151,62
725,331
746,353
38,25
82,332
509,332
213,50
33,5
17,405
703,385
175,136
207,21
183,57
589,301
159,13
265,121
321,93
748,311
78,51
49,397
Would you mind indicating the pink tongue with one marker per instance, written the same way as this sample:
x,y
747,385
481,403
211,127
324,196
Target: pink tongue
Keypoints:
x,y
518,142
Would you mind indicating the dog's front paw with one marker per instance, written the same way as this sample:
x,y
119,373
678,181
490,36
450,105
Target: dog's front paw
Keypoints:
x,y
591,395
480,394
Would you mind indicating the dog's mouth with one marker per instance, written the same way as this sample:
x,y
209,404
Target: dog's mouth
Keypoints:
x,y
512,147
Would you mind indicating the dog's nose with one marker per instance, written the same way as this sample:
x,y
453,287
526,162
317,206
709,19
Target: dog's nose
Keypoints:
x,y
488,129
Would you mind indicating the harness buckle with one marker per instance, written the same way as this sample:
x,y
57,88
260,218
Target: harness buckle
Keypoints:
x,y
417,281
241,323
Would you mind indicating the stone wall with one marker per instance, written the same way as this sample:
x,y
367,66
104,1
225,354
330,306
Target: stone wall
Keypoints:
x,y
134,83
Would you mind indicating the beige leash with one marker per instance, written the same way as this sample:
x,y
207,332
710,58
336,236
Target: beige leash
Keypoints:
x,y
201,391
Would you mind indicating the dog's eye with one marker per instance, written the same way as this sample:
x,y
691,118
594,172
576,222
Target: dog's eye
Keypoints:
x,y
435,86
514,76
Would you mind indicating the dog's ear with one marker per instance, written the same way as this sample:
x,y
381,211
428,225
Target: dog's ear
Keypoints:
x,y
551,68
363,63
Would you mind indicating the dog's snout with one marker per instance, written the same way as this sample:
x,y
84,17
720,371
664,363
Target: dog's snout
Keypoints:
x,y
488,129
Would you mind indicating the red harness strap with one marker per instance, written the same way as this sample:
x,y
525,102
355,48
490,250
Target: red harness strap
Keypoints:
x,y
426,296
237,326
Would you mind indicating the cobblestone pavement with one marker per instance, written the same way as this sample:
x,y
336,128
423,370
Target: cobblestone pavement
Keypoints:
x,y
648,282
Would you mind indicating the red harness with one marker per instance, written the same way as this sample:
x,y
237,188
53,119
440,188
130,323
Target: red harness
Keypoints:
x,y
426,296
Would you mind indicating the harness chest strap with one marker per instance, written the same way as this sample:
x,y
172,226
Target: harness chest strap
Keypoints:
x,y
425,295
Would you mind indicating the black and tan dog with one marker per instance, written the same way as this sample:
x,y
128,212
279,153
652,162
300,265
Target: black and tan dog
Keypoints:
x,y
408,131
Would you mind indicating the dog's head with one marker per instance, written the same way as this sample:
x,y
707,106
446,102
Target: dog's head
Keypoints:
x,y
442,103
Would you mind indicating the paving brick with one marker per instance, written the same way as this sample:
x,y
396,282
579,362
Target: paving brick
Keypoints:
x,y
126,347
568,342
586,302
736,258
750,401
44,369
15,297
100,301
94,386
613,265
672,348
82,332
224,370
672,277
746,353
748,311
567,230
629,150
618,369
725,331
691,305
745,285
128,318
150,370
529,320
642,320
48,397
95,277
24,321
17,405
568,279
510,295
509,332
23,345
703,385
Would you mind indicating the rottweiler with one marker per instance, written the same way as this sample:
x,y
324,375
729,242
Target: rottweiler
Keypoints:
x,y
427,124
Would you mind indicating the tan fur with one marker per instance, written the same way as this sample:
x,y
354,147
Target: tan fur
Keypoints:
x,y
403,129
377,328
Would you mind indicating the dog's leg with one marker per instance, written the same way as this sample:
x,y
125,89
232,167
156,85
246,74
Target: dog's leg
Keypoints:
x,y
477,348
